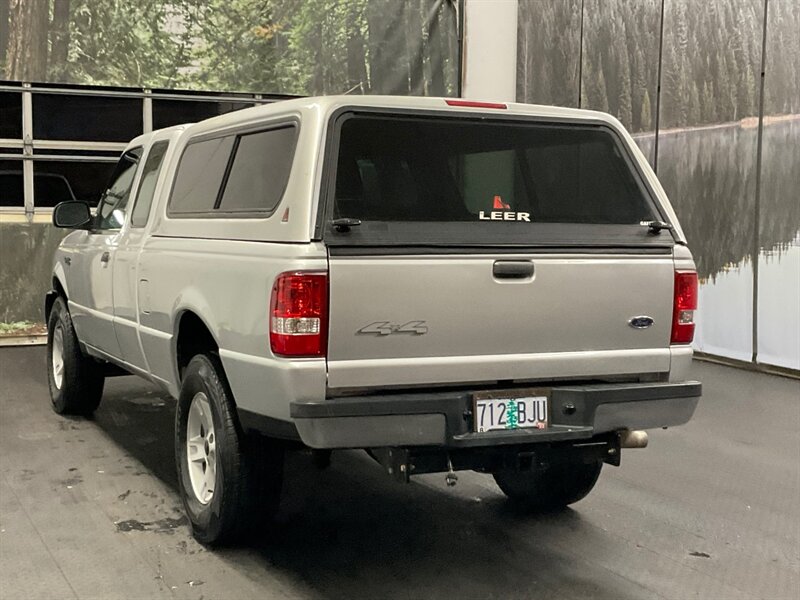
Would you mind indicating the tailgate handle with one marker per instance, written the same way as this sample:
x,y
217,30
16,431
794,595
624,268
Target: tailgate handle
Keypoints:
x,y
512,269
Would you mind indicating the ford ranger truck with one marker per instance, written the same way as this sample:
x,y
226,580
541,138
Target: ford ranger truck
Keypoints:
x,y
449,285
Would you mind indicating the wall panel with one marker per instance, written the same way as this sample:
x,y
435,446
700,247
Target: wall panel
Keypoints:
x,y
778,277
27,260
707,155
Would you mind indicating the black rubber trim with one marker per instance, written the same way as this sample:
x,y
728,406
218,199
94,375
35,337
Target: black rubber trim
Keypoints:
x,y
555,433
275,428
456,233
631,392
49,299
226,175
390,404
494,250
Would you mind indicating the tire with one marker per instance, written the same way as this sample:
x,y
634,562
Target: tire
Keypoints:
x,y
551,488
230,483
75,380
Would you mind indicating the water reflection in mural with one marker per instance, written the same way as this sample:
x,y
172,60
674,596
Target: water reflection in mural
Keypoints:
x,y
725,298
778,280
709,175
779,306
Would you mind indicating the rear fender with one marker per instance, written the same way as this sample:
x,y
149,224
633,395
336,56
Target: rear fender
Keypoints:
x,y
190,300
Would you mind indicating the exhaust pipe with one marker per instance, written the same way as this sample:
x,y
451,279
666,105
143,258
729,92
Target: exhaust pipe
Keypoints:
x,y
633,439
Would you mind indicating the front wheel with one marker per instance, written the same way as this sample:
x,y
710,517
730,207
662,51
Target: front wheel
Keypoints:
x,y
76,381
230,483
550,488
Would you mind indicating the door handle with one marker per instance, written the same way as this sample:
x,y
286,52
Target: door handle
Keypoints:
x,y
512,269
105,257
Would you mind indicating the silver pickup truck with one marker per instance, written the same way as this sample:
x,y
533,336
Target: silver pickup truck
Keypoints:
x,y
446,284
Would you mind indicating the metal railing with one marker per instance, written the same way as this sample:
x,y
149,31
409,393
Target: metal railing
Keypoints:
x,y
35,150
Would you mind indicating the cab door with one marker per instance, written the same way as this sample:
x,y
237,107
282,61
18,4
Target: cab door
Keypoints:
x,y
126,261
91,286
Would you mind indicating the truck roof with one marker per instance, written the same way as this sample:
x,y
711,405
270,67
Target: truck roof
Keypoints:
x,y
144,138
322,105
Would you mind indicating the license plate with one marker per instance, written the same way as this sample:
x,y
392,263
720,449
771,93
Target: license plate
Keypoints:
x,y
494,412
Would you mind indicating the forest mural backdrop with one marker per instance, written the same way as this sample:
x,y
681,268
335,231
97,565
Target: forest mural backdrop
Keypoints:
x,y
741,216
271,46
711,58
700,128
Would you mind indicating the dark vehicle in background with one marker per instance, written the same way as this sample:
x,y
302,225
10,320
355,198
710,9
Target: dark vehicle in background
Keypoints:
x,y
52,186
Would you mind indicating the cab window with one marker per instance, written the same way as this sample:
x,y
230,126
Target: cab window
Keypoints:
x,y
112,209
147,184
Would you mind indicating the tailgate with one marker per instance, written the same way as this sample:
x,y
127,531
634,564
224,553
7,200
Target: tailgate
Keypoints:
x,y
405,320
475,249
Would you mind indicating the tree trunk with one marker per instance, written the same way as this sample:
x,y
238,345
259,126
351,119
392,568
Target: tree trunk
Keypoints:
x,y
26,58
414,41
388,57
318,77
436,49
4,5
356,56
455,49
60,39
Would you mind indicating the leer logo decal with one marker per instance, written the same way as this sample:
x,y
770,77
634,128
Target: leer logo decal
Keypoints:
x,y
498,204
502,212
387,328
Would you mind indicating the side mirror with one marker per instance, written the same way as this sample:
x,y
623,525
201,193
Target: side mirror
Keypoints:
x,y
72,214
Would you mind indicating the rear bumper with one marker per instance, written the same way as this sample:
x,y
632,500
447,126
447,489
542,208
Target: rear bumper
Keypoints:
x,y
445,418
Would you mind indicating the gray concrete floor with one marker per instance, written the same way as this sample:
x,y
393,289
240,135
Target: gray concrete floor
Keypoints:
x,y
88,509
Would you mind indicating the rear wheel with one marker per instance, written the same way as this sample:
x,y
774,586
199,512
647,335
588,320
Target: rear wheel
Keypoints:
x,y
230,482
76,381
549,488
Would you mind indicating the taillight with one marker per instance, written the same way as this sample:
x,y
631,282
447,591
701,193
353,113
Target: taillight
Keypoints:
x,y
684,305
299,314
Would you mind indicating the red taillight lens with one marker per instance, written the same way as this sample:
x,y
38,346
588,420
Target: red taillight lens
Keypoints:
x,y
299,314
684,305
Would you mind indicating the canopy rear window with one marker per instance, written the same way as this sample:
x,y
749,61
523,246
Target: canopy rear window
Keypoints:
x,y
482,181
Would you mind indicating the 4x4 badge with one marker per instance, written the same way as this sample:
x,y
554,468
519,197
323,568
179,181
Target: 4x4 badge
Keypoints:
x,y
387,328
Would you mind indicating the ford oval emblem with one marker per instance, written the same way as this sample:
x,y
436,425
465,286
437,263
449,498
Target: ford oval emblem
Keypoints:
x,y
642,322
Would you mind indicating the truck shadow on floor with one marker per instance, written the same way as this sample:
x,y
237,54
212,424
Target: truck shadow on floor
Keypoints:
x,y
352,532
140,418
